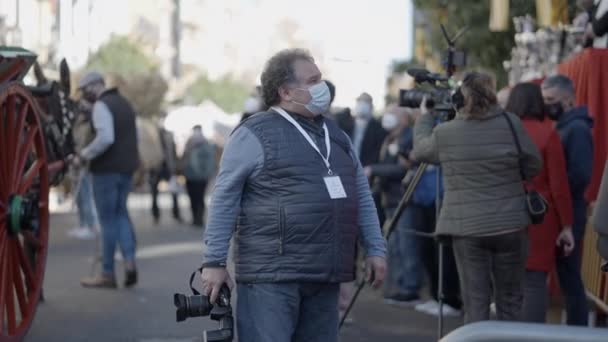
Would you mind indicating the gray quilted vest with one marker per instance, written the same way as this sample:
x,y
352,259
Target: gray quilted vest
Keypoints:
x,y
289,230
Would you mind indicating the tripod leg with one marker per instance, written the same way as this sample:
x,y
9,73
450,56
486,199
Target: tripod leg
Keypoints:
x,y
351,304
389,227
440,290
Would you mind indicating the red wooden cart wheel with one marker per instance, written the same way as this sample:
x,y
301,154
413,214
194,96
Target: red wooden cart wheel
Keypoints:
x,y
24,212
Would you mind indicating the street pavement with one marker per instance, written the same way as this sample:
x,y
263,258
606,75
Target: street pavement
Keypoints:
x,y
167,254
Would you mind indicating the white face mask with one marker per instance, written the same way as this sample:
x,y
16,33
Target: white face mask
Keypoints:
x,y
393,149
363,110
319,98
252,105
389,121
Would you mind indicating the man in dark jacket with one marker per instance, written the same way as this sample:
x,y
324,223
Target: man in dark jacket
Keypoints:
x,y
574,127
367,133
292,186
113,158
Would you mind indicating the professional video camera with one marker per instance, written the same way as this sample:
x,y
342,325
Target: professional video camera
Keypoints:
x,y
199,305
438,89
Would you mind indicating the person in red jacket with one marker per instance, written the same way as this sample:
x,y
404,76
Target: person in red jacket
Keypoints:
x,y
526,101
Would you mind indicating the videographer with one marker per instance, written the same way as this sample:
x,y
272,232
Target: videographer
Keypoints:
x,y
484,207
290,183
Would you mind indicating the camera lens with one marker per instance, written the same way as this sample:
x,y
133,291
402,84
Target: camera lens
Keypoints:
x,y
413,98
198,306
191,306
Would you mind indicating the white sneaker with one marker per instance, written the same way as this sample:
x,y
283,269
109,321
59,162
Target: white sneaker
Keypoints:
x,y
82,233
428,305
448,311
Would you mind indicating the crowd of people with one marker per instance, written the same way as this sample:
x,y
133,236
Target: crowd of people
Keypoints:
x,y
301,205
302,190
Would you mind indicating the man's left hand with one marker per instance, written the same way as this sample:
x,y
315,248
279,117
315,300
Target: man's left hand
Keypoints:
x,y
376,270
565,240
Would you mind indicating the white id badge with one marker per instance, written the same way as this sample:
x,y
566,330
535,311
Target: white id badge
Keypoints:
x,y
334,187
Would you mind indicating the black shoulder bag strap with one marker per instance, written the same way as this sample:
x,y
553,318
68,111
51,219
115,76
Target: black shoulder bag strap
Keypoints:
x,y
519,152
537,205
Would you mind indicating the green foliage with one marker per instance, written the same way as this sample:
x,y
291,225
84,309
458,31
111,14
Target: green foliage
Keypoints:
x,y
121,56
485,49
227,93
136,74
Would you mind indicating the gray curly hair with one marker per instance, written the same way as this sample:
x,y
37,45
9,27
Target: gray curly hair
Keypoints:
x,y
279,71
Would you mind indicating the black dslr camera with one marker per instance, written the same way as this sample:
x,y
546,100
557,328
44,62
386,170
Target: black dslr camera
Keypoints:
x,y
199,305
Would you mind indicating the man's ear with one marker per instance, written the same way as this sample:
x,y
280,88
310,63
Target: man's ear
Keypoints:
x,y
285,93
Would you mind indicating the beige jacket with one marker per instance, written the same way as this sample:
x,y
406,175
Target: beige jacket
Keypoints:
x,y
483,194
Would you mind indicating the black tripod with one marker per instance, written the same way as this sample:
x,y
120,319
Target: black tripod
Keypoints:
x,y
388,229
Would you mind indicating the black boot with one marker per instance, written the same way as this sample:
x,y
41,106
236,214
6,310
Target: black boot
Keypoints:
x,y
130,278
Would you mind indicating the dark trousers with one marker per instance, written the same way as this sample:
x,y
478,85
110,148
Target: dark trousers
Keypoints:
x,y
492,262
536,297
155,178
429,254
196,192
569,271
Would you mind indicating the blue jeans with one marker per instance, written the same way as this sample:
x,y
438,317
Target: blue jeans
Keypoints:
x,y
404,265
84,202
569,271
287,312
111,191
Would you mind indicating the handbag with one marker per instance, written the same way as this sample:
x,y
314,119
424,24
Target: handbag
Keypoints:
x,y
537,205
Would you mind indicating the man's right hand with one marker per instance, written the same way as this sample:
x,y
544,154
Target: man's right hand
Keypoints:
x,y
213,279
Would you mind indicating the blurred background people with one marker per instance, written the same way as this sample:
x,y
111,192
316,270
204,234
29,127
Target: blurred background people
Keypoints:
x,y
526,101
404,270
113,158
574,127
199,166
367,134
83,134
166,171
484,206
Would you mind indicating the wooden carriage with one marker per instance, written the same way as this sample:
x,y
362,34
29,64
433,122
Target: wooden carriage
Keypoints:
x,y
34,142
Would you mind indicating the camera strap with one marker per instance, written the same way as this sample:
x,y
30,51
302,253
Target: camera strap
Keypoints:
x,y
194,291
306,136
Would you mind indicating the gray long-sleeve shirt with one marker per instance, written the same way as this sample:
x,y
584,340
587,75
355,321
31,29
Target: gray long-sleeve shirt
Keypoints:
x,y
103,122
243,158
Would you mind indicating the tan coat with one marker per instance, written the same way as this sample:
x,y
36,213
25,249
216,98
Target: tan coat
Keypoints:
x,y
484,194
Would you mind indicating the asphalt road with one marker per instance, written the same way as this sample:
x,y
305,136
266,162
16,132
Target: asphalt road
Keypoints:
x,y
167,254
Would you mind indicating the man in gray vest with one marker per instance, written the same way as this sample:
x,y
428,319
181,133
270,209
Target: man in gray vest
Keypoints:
x,y
292,186
112,158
